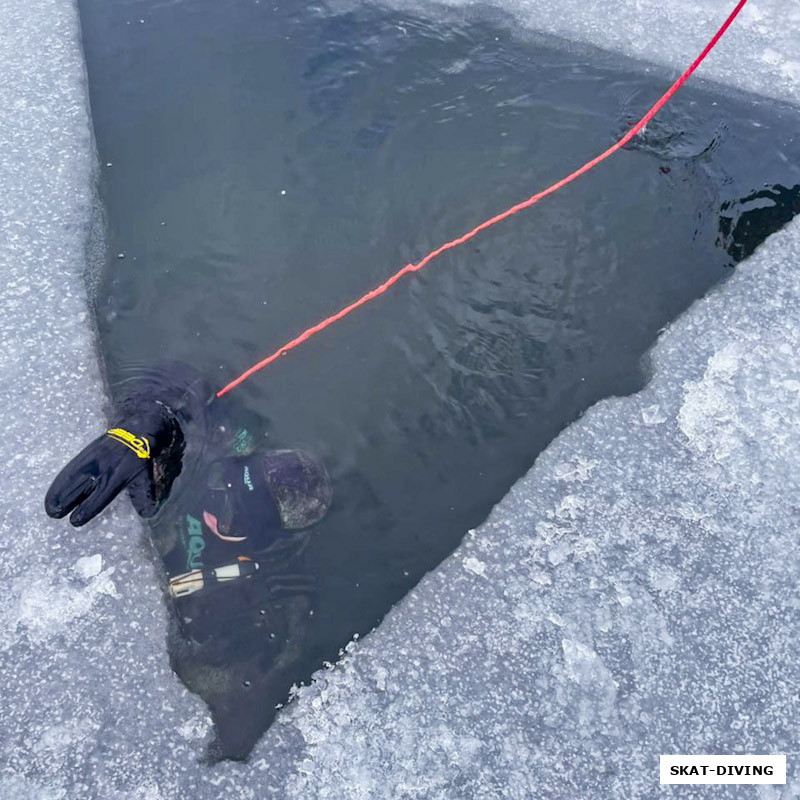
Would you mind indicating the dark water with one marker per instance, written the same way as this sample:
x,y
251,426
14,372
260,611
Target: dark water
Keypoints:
x,y
269,163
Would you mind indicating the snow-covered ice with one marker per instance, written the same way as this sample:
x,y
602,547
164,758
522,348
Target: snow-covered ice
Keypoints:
x,y
634,594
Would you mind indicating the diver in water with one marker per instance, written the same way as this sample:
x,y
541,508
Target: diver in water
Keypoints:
x,y
228,521
243,502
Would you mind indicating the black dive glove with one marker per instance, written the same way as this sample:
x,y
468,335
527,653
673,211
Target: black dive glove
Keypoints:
x,y
142,452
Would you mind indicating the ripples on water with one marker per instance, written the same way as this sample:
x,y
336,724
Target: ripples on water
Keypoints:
x,y
271,163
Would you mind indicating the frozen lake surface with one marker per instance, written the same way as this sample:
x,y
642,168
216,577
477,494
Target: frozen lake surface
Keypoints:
x,y
639,580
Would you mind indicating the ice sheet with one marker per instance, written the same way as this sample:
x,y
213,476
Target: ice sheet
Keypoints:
x,y
634,594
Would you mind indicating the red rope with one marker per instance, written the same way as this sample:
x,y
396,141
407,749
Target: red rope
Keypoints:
x,y
307,334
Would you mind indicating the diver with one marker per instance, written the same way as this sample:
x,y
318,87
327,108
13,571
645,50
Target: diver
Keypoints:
x,y
248,500
229,522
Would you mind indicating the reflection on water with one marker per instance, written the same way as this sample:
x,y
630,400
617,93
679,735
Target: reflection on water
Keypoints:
x,y
744,223
271,162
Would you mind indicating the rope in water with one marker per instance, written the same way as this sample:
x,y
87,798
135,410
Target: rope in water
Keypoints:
x,y
320,326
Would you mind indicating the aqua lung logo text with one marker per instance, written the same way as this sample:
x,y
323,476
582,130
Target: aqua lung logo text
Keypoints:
x,y
196,543
247,482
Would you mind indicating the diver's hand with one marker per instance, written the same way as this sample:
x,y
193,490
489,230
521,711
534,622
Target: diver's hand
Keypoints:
x,y
92,480
122,455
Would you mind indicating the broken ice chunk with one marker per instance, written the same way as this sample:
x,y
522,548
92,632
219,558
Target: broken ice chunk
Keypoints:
x,y
89,566
653,415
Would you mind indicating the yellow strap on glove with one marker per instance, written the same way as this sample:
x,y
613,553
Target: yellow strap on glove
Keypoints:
x,y
139,444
